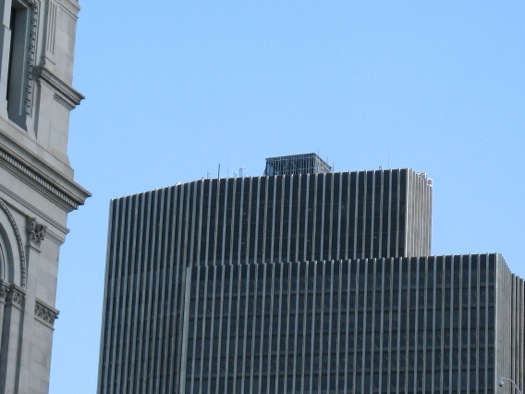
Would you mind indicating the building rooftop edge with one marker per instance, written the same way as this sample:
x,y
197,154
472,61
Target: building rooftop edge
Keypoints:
x,y
422,174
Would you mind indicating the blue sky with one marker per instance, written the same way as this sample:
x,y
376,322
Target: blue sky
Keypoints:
x,y
173,89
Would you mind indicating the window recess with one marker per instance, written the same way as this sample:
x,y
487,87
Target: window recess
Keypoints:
x,y
18,73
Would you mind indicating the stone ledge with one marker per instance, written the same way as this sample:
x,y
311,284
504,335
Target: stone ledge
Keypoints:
x,y
64,94
45,314
70,200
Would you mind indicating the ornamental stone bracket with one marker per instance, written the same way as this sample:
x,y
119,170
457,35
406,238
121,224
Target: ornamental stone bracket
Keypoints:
x,y
12,295
4,291
45,314
36,232
17,297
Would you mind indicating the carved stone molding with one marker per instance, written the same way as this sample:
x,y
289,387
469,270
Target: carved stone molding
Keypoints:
x,y
36,232
33,30
15,296
45,314
70,201
4,291
33,7
20,245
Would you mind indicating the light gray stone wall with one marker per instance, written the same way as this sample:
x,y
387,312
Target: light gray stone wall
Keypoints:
x,y
37,189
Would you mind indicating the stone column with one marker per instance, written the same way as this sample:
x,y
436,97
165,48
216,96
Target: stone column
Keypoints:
x,y
13,321
4,289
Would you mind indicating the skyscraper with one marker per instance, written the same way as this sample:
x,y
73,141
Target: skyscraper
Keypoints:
x,y
386,325
37,187
297,282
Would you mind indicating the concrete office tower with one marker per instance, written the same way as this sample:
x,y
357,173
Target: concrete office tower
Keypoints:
x,y
306,283
37,189
439,324
155,237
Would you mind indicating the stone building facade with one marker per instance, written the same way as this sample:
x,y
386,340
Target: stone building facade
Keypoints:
x,y
37,187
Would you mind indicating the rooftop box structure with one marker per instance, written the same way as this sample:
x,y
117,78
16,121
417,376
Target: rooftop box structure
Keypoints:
x,y
308,163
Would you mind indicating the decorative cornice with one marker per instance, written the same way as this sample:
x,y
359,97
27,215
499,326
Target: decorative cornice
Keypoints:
x,y
70,7
36,232
52,224
19,243
64,93
71,201
45,314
